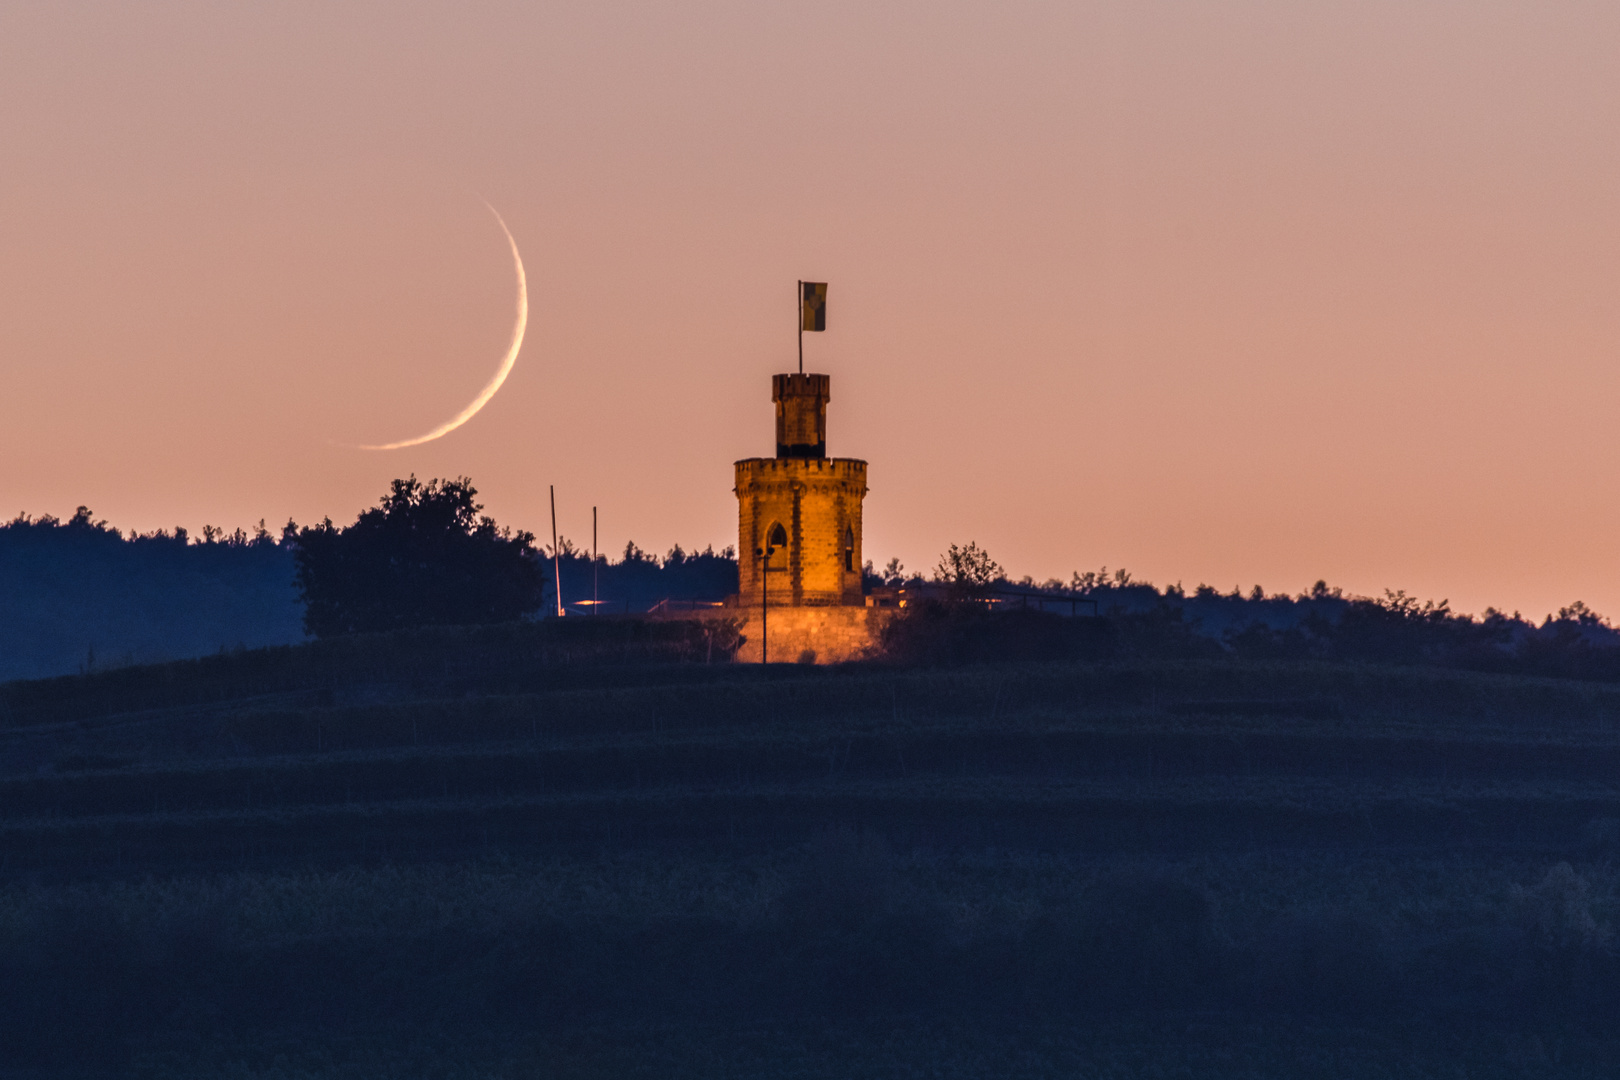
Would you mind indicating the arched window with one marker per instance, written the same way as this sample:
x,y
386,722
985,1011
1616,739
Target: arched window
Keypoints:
x,y
849,550
777,537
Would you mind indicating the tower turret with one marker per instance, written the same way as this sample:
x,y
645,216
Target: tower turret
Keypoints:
x,y
801,415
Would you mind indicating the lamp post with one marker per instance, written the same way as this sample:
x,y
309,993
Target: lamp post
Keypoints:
x,y
765,554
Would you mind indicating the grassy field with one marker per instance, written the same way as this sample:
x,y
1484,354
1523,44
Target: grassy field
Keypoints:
x,y
497,854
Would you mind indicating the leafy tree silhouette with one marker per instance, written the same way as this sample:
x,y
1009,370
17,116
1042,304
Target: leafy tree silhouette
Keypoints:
x,y
425,556
969,571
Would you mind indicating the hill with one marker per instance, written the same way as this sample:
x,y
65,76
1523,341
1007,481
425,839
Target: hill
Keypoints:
x,y
596,850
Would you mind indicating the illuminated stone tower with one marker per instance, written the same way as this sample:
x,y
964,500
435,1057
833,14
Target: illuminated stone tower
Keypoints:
x,y
802,505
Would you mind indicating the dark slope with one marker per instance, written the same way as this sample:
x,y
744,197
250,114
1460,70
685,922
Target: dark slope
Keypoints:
x,y
331,750
585,851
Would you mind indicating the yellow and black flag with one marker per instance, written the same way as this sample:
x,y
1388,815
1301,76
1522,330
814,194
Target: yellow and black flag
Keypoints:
x,y
812,305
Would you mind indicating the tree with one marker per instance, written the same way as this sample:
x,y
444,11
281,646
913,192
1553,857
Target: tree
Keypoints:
x,y
969,571
425,556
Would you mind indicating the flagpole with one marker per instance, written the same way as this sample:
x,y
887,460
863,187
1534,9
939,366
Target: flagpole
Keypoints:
x,y
594,563
801,327
556,565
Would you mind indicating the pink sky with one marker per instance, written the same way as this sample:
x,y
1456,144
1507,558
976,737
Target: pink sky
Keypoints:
x,y
1226,292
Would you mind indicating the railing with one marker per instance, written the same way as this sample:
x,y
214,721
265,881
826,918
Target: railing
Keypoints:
x,y
1001,598
994,596
1042,599
638,606
667,605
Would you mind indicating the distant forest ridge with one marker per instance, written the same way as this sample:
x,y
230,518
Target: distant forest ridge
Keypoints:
x,y
1325,623
80,594
1223,615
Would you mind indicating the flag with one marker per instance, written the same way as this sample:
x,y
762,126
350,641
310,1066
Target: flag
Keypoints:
x,y
813,305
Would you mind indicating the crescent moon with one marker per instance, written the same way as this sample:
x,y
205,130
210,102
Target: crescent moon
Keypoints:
x,y
505,369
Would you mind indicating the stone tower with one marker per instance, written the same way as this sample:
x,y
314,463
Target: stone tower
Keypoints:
x,y
803,505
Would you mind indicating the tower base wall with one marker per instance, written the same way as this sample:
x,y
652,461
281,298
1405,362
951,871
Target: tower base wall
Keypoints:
x,y
813,635
805,635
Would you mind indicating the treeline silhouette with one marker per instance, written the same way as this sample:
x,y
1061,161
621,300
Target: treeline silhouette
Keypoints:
x,y
83,595
971,616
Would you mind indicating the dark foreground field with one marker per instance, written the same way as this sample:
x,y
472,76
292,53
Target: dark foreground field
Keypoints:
x,y
488,855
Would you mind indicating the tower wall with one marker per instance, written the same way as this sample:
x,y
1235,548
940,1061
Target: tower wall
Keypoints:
x,y
817,501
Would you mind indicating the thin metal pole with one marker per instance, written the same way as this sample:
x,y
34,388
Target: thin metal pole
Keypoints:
x,y
801,328
594,563
765,609
556,556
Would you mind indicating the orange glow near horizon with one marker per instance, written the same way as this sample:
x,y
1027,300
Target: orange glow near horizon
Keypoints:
x,y
1240,293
